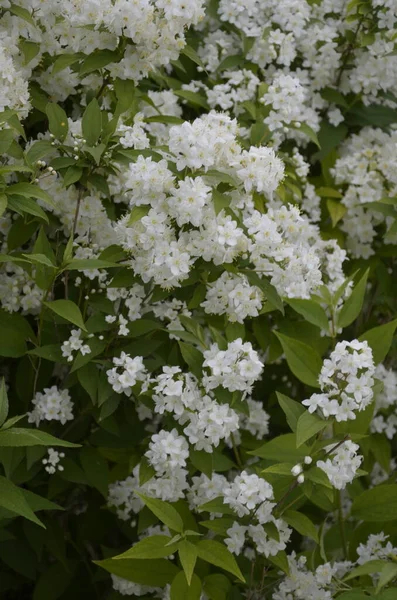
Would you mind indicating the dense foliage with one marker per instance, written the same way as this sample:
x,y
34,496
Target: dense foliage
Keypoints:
x,y
197,299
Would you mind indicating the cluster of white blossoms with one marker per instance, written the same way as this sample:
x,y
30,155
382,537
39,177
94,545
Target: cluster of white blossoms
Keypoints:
x,y
51,405
252,495
126,373
154,29
73,345
302,583
206,422
128,588
346,381
18,290
52,461
281,243
300,48
236,368
377,547
367,170
342,465
167,452
384,419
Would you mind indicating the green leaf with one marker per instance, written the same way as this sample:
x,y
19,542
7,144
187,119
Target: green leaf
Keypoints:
x,y
301,523
22,13
91,123
3,401
28,190
6,139
57,121
387,574
18,436
14,331
217,554
181,590
151,572
281,449
372,566
3,204
125,93
280,469
192,54
64,61
72,175
40,259
352,306
167,119
337,211
307,130
292,409
302,359
188,556
11,498
267,288
166,513
378,504
308,425
380,339
218,525
334,96
192,357
67,310
86,264
217,586
26,205
192,97
98,60
216,505
88,377
220,201
53,582
96,469
154,546
281,561
311,311
137,213
52,352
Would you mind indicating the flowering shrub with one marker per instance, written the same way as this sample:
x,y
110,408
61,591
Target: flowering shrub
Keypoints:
x,y
198,394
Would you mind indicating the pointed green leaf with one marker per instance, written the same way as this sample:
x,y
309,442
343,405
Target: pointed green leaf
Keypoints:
x,y
18,436
67,310
292,409
92,122
380,339
353,305
311,311
308,425
3,401
166,513
217,554
301,523
154,546
57,121
302,359
188,556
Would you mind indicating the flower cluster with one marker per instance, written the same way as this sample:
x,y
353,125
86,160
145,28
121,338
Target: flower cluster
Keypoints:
x,y
126,373
235,368
51,405
206,422
252,495
342,467
74,344
346,381
52,461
